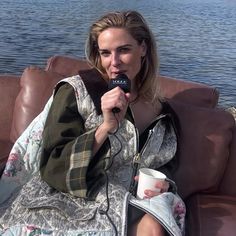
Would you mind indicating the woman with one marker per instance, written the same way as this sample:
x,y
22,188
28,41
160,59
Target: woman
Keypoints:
x,y
90,155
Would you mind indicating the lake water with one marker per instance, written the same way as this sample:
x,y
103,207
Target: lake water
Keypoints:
x,y
196,38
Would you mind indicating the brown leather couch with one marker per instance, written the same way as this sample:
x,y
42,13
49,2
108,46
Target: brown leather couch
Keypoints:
x,y
206,176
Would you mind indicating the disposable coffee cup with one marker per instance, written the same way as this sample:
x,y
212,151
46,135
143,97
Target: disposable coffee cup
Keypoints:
x,y
147,180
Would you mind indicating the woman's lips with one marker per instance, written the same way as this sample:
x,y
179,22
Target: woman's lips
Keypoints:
x,y
115,73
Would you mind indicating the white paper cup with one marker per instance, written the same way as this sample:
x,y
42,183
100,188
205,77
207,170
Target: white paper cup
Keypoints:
x,y
147,180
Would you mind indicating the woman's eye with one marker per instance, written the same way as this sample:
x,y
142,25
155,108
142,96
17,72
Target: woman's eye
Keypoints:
x,y
124,50
104,53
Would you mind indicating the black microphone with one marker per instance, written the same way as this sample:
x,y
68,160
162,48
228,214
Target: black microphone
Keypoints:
x,y
123,82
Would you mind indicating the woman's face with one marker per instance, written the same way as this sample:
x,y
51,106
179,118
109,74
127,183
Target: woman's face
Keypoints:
x,y
120,52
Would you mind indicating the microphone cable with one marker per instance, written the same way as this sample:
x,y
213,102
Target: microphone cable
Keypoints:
x,y
101,211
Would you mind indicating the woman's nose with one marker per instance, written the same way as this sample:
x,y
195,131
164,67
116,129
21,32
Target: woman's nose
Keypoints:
x,y
115,60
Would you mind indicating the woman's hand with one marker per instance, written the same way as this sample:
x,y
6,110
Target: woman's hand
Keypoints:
x,y
111,99
161,185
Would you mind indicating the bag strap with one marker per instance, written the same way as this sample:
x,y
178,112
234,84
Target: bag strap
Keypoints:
x,y
95,85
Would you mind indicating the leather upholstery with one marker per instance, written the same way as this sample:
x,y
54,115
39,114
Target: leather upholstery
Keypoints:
x,y
205,137
189,92
36,88
228,184
211,215
9,89
66,66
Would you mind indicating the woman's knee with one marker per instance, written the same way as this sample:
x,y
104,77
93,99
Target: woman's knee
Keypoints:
x,y
149,226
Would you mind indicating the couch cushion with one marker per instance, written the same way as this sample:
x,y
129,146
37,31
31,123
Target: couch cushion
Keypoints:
x,y
205,137
36,87
211,215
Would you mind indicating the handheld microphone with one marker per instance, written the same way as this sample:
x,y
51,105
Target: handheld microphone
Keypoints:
x,y
123,82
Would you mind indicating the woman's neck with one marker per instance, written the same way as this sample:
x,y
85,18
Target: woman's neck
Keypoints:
x,y
144,112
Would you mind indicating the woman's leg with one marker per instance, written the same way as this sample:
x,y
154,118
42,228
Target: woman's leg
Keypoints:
x,y
146,226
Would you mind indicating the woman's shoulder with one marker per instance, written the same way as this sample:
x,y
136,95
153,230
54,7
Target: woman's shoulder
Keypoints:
x,y
66,84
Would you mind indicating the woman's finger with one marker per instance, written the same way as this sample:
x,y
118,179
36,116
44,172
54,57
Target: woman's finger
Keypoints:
x,y
162,185
136,178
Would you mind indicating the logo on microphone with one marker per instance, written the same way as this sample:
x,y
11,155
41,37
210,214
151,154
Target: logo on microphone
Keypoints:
x,y
123,82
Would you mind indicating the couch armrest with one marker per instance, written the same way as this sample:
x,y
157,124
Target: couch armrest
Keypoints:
x,y
204,146
36,86
9,89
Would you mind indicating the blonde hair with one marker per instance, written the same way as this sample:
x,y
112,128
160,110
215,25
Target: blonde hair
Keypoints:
x,y
135,24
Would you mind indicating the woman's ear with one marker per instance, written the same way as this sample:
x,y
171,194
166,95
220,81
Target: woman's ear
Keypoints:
x,y
143,48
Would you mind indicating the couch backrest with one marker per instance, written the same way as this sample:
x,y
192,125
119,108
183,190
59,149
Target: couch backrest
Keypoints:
x,y
66,66
37,86
185,91
189,92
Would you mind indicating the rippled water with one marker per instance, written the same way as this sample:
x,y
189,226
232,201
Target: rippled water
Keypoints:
x,y
196,38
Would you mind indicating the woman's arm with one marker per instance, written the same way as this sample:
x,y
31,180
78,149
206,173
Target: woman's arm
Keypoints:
x,y
67,148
